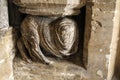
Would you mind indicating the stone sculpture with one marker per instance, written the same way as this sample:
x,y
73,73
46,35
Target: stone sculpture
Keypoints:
x,y
47,26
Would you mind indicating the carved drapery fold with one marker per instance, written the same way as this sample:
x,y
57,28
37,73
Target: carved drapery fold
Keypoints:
x,y
57,35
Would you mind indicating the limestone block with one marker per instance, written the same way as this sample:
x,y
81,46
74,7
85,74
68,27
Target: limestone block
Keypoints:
x,y
6,44
3,14
7,49
98,36
104,1
114,63
61,70
50,7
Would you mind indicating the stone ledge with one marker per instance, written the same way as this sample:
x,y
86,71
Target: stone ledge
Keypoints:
x,y
61,70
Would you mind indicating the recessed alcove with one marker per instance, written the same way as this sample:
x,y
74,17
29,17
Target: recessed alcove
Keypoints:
x,y
70,68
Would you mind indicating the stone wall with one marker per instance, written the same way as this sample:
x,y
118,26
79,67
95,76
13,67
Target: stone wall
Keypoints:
x,y
98,35
3,14
114,66
6,44
6,54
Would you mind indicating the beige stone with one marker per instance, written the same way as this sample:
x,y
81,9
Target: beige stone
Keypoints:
x,y
39,2
7,50
114,62
50,7
61,70
3,14
6,44
98,36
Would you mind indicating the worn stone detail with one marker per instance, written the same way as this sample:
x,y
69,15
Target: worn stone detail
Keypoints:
x,y
50,7
7,44
56,33
57,36
3,14
114,62
61,70
7,52
98,36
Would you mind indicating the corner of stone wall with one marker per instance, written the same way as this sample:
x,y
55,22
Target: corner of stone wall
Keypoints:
x,y
7,44
7,53
98,36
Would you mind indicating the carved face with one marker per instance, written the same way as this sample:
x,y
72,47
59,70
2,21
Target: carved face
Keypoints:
x,y
65,31
62,37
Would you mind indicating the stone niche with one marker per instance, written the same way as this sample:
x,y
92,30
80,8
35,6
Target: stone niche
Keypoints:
x,y
98,39
68,68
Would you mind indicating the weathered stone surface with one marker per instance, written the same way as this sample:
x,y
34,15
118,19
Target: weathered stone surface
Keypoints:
x,y
37,3
7,50
3,14
6,44
61,70
59,37
114,65
98,36
102,1
50,7
30,2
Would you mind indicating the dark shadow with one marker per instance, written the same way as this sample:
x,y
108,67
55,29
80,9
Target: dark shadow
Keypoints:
x,y
80,19
15,17
87,31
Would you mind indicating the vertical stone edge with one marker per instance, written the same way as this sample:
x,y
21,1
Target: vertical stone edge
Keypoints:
x,y
4,24
87,34
96,46
7,51
114,48
7,44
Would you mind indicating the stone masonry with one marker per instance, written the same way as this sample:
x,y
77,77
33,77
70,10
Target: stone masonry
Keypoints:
x,y
6,44
98,36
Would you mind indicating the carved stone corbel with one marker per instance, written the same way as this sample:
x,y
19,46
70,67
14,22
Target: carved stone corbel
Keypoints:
x,y
56,34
